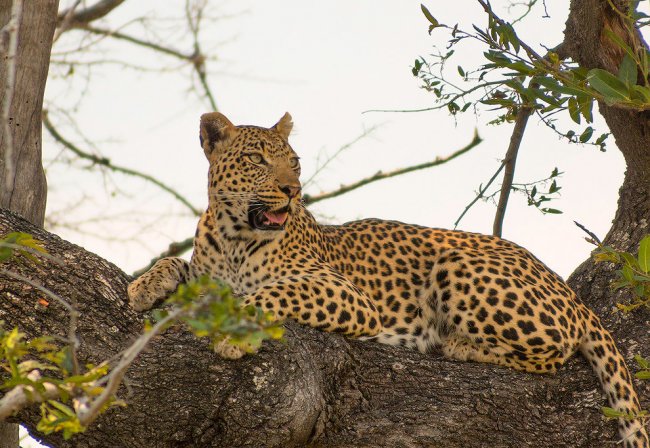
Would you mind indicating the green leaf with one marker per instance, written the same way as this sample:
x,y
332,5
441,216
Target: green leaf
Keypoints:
x,y
641,93
644,254
608,85
430,18
461,72
642,362
574,110
586,103
627,71
586,134
552,211
611,413
643,375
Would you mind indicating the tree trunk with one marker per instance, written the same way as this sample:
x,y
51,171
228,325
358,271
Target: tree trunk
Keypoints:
x,y
316,388
27,195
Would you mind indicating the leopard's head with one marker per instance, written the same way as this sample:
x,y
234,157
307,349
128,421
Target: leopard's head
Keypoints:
x,y
253,183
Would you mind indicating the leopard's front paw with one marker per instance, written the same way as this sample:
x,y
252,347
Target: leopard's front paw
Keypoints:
x,y
227,350
141,297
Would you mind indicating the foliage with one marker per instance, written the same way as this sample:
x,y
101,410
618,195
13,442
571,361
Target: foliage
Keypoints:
x,y
44,372
634,274
511,77
27,360
219,315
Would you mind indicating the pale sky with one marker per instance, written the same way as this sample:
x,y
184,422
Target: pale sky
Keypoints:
x,y
325,62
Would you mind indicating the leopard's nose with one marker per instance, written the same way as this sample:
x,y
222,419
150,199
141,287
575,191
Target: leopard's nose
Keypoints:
x,y
291,190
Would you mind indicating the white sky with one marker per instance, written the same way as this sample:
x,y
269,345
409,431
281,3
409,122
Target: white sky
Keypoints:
x,y
326,62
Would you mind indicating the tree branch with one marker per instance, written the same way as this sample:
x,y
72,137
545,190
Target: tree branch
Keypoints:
x,y
103,161
480,194
84,16
314,389
509,163
343,189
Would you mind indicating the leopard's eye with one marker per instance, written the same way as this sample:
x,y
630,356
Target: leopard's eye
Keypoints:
x,y
294,162
255,158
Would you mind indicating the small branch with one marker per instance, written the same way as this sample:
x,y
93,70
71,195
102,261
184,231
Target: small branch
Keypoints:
x,y
198,59
64,20
174,250
22,396
86,15
509,163
481,193
88,415
11,28
137,41
322,166
594,239
308,199
102,161
456,96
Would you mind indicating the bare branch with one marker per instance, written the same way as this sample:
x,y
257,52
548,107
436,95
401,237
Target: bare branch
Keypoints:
x,y
103,161
11,28
343,189
480,195
509,163
348,145
140,42
64,20
175,249
198,57
594,238
86,15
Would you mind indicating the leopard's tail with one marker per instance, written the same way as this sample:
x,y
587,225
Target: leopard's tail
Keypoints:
x,y
600,350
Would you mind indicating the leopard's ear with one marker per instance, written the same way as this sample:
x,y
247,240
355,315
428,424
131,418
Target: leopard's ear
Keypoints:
x,y
284,126
215,129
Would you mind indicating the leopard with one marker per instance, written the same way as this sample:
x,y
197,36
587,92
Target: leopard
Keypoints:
x,y
471,296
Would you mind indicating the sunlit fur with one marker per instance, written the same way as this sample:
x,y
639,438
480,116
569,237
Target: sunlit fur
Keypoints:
x,y
476,297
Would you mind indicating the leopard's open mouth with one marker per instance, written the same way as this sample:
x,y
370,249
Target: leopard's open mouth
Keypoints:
x,y
263,218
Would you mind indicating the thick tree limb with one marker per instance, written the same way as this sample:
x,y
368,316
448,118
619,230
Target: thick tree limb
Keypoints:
x,y
315,388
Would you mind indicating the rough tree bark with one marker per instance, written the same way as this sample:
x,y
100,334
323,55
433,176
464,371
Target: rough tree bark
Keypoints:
x,y
318,389
27,195
323,390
